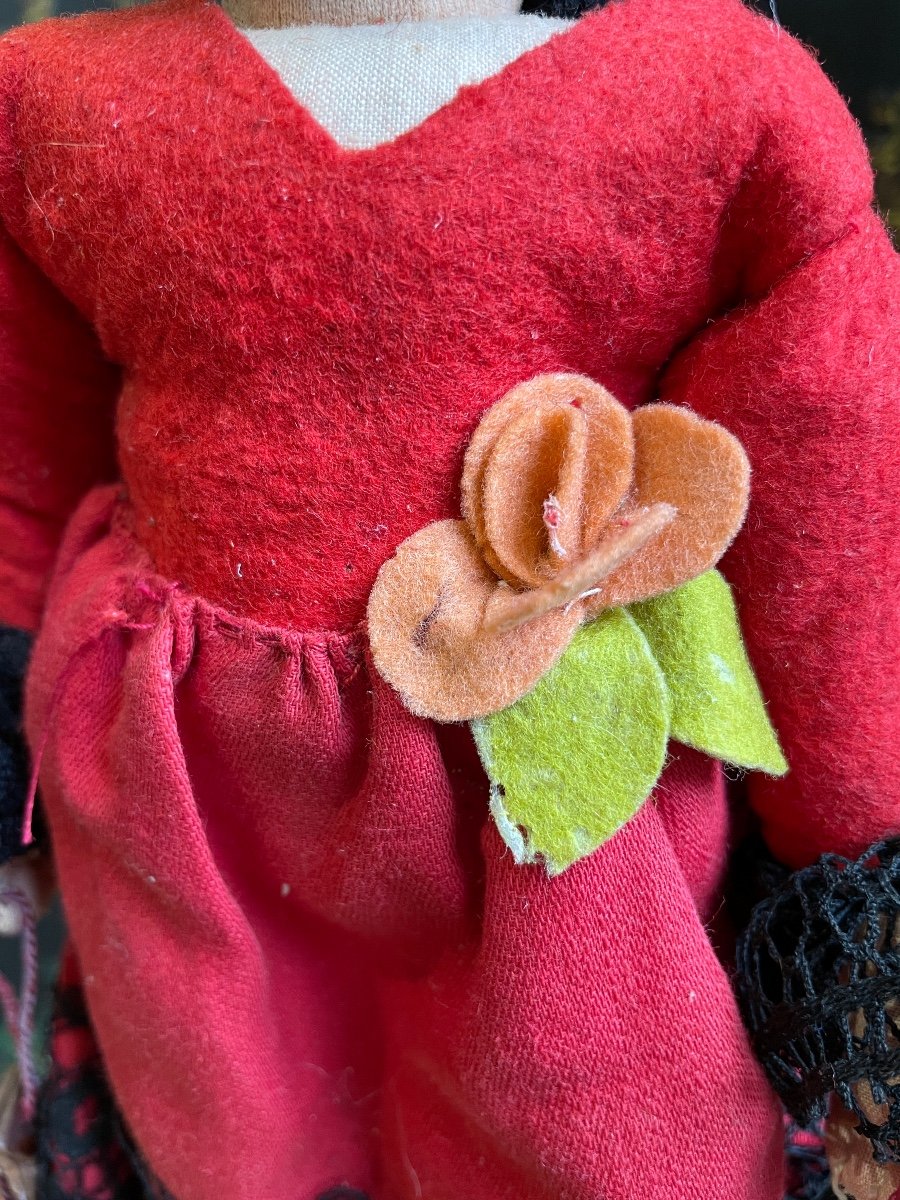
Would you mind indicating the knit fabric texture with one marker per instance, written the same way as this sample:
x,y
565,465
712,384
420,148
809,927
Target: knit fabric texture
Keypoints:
x,y
367,84
364,888
819,978
15,648
305,939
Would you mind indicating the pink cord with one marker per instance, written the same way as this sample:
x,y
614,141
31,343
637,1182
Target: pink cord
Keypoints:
x,y
19,1014
31,797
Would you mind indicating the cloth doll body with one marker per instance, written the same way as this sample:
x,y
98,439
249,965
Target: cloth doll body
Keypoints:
x,y
309,959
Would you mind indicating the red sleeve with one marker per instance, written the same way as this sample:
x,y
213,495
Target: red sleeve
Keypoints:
x,y
805,370
56,428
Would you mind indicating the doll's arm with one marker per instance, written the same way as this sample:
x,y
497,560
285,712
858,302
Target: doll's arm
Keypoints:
x,y
56,441
56,428
804,368
808,377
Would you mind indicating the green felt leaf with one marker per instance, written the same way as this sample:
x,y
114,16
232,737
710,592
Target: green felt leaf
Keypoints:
x,y
716,702
573,760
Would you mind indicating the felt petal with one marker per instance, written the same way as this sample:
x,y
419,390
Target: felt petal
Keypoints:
x,y
570,586
699,468
607,448
538,456
571,762
427,631
717,706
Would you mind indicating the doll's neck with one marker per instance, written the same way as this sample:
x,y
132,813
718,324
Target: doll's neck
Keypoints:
x,y
275,14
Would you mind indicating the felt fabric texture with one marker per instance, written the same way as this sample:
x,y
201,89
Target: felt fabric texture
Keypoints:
x,y
564,441
556,435
429,623
584,579
367,84
574,504
307,339
701,470
56,418
717,707
837,712
575,759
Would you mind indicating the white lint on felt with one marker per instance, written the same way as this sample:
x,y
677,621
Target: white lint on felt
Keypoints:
x,y
367,84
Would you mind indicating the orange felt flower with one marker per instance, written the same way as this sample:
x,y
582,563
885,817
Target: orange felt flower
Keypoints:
x,y
571,505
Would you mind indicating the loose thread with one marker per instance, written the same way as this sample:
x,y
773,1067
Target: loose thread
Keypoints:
x,y
19,1014
552,514
118,620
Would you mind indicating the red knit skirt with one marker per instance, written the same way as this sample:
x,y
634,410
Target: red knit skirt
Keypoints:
x,y
311,961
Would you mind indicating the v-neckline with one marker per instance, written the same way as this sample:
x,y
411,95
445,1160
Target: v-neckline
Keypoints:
x,y
242,48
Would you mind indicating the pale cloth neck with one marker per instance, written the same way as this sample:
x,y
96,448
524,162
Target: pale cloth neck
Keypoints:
x,y
277,14
368,84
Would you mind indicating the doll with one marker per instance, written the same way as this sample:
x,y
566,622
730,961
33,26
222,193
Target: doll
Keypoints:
x,y
339,417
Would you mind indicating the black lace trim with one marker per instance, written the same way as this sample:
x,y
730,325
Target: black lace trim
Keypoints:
x,y
818,974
